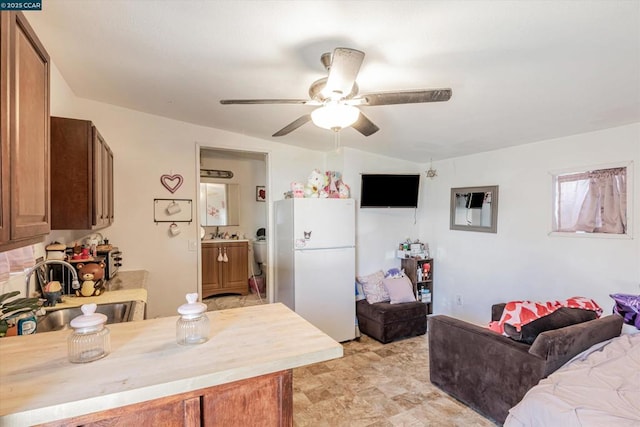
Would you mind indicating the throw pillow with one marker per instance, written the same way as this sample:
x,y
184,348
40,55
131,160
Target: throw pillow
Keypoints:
x,y
373,288
519,313
560,318
359,291
627,306
400,289
395,273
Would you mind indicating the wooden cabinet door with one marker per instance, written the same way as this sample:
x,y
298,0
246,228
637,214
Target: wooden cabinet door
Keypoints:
x,y
266,401
178,410
262,401
108,185
211,272
5,188
82,176
98,216
25,131
234,272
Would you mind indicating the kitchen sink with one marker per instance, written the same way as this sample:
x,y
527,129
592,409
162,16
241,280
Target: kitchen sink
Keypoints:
x,y
58,320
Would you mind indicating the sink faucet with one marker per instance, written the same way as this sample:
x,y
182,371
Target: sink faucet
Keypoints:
x,y
75,284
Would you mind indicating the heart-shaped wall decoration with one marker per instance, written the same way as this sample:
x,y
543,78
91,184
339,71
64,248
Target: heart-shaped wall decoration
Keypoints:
x,y
171,182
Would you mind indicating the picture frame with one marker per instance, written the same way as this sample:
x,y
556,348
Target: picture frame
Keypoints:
x,y
261,193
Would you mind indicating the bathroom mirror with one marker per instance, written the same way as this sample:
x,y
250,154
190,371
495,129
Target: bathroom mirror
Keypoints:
x,y
219,204
474,209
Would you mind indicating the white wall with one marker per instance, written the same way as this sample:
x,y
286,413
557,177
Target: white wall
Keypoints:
x,y
379,231
146,147
522,261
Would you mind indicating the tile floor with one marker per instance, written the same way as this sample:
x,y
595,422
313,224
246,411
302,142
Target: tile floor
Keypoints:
x,y
373,385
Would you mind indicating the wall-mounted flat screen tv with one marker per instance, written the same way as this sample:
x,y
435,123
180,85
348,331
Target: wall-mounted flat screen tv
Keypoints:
x,y
389,190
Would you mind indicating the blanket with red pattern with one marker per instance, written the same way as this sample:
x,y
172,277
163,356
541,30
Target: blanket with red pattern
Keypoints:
x,y
519,313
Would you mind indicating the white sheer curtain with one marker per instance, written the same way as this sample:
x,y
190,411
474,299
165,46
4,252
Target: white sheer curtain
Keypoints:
x,y
15,261
593,202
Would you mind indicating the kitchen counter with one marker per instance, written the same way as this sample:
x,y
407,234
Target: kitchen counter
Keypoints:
x,y
38,384
125,286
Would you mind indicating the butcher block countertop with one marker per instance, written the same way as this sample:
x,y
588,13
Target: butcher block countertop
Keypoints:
x,y
38,384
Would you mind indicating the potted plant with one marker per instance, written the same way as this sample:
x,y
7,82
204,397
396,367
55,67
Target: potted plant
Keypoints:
x,y
11,307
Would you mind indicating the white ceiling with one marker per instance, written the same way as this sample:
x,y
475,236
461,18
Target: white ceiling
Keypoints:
x,y
521,71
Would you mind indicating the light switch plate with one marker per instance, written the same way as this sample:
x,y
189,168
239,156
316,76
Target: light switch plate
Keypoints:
x,y
192,246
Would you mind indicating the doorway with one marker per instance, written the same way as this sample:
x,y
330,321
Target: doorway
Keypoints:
x,y
237,181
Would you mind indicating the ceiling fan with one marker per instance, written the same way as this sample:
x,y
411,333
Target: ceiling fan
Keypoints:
x,y
337,99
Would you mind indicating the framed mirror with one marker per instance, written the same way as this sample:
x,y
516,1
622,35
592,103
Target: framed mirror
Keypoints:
x,y
474,209
219,204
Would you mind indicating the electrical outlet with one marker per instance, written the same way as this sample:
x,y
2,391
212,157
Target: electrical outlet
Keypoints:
x,y
458,299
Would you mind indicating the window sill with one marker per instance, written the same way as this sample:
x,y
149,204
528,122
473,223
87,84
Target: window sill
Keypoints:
x,y
590,235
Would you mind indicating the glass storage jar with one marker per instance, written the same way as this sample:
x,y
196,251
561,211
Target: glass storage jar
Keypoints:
x,y
90,338
193,325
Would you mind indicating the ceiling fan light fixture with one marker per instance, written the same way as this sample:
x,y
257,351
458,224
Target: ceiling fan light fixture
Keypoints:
x,y
335,116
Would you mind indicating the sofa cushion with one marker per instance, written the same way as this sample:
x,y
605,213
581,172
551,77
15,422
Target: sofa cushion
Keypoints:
x,y
399,289
558,319
373,288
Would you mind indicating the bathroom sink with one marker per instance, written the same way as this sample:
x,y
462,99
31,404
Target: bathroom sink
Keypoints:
x,y
58,320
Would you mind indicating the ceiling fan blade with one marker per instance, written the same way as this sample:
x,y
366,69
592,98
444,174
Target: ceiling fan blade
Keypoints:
x,y
345,65
293,125
365,126
263,101
407,97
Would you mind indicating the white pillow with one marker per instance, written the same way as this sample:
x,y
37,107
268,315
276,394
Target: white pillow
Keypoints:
x,y
373,288
400,289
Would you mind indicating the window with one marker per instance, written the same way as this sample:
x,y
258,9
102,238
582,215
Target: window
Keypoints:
x,y
15,261
592,201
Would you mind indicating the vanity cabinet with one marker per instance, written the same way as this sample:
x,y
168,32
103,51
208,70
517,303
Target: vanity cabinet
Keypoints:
x,y
24,133
225,277
265,400
81,176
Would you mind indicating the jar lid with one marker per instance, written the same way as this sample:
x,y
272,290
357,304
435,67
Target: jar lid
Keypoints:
x,y
192,306
89,318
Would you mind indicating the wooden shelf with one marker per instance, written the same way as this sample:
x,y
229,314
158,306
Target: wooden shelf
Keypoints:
x,y
410,266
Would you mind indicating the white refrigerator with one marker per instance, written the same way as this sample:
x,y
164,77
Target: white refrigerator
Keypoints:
x,y
315,262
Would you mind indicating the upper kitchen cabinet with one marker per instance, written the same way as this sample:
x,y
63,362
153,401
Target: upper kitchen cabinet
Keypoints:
x,y
24,133
81,176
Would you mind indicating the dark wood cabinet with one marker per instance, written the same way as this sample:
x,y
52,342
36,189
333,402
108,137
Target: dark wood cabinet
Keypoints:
x,y
225,268
422,280
24,133
81,176
266,400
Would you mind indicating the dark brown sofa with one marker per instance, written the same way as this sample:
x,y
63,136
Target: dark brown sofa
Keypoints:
x,y
490,372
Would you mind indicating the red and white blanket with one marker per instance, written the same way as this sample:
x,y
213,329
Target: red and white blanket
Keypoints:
x,y
519,313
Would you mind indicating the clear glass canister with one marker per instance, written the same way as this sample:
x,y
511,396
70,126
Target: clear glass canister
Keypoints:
x,y
193,325
90,338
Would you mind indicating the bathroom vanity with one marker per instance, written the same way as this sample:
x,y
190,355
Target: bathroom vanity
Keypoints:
x,y
241,376
225,267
